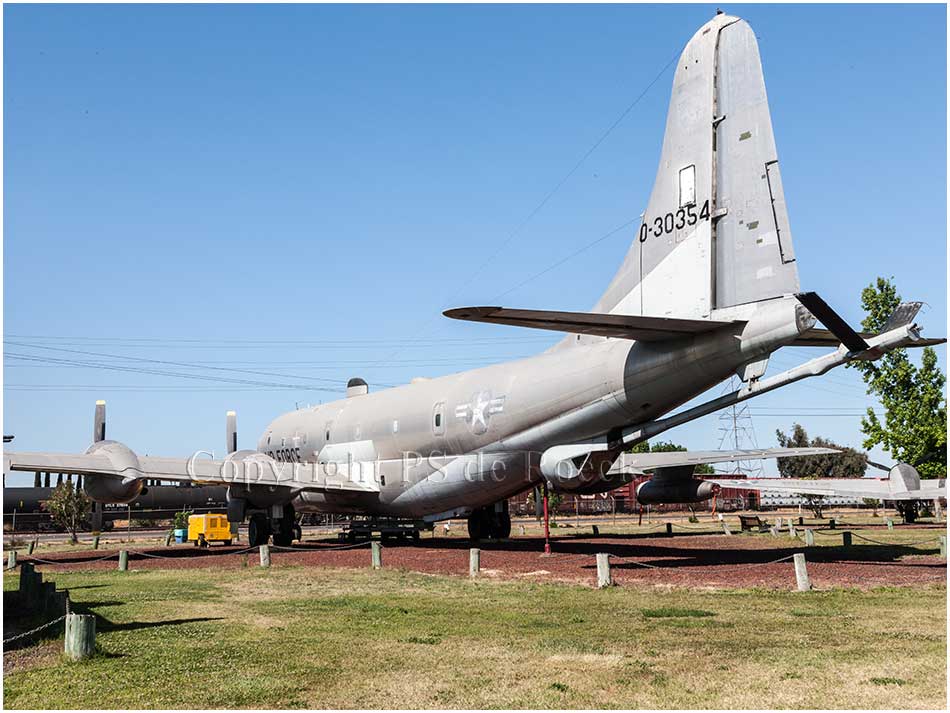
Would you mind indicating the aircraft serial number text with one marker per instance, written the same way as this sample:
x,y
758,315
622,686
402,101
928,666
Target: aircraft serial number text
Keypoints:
x,y
662,225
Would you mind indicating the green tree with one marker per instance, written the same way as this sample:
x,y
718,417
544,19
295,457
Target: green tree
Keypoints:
x,y
849,463
69,507
914,429
668,447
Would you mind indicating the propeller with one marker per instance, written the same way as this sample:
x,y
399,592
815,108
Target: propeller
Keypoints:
x,y
231,432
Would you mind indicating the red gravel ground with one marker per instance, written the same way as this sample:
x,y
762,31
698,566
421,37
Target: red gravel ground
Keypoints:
x,y
695,560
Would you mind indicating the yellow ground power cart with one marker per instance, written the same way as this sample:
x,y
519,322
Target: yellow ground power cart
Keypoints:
x,y
205,529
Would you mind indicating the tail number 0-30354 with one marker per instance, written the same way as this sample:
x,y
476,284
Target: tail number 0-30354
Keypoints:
x,y
665,224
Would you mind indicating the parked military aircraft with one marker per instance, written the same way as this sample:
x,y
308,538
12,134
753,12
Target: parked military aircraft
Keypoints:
x,y
708,289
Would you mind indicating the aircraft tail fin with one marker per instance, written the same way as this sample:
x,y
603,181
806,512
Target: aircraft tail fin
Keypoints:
x,y
715,232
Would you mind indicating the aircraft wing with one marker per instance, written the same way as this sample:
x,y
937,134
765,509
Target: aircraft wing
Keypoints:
x,y
878,488
258,470
675,459
624,326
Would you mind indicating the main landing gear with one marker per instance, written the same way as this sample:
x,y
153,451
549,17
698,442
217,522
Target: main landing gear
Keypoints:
x,y
491,522
284,530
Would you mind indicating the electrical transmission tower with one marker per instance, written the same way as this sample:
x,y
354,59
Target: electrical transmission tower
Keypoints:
x,y
736,432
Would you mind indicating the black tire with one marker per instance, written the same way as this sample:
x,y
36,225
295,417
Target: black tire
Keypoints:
x,y
476,529
502,526
258,531
283,539
227,543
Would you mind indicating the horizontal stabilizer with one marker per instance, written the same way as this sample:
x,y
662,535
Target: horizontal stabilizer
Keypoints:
x,y
622,326
833,321
840,333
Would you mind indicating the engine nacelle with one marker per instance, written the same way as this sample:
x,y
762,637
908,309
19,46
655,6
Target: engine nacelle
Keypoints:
x,y
251,472
658,490
109,489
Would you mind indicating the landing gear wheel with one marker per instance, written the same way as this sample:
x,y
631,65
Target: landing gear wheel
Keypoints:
x,y
502,525
416,535
476,529
258,531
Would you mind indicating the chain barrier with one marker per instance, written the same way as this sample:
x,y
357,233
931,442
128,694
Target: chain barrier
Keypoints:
x,y
714,527
351,546
896,544
33,558
41,627
633,561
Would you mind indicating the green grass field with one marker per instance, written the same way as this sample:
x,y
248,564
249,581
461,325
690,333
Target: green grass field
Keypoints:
x,y
311,638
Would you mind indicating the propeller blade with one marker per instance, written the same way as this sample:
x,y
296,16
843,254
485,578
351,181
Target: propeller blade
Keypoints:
x,y
99,423
231,432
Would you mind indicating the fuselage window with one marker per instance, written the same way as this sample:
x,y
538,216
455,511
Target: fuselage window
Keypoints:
x,y
438,421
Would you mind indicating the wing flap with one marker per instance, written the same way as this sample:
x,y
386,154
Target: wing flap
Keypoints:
x,y
623,326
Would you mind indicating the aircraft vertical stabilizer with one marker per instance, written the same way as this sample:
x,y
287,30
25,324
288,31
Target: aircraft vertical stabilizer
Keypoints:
x,y
715,232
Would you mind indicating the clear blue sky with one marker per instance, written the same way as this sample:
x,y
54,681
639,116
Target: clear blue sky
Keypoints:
x,y
301,190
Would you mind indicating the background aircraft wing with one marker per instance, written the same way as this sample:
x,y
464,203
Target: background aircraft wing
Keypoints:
x,y
879,489
260,470
675,459
624,326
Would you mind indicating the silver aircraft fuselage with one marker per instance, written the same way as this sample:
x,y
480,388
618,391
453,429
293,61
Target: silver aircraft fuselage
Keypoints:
x,y
425,436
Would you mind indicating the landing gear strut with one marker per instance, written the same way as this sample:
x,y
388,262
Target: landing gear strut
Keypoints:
x,y
492,522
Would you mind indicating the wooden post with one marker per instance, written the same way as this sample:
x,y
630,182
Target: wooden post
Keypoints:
x,y
31,547
603,570
80,636
474,561
669,529
890,523
11,559
265,555
846,539
595,530
801,521
801,572
377,555
168,537
791,530
809,537
123,560
832,524
522,530
725,528
943,545
95,542
774,530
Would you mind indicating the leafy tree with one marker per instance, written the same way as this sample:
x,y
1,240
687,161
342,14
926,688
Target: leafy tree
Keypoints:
x,y
69,508
668,447
915,408
849,463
